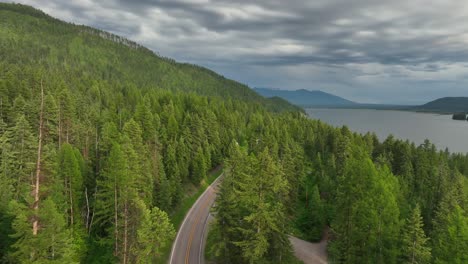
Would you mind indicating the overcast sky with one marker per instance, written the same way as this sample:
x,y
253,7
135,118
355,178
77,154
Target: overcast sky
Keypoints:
x,y
395,51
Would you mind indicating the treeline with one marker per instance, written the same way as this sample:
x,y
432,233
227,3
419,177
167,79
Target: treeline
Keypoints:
x,y
105,169
459,116
98,141
30,37
384,202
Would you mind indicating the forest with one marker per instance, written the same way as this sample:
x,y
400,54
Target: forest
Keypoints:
x,y
100,139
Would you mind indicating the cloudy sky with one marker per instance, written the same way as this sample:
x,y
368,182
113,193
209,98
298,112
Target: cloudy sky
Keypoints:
x,y
395,51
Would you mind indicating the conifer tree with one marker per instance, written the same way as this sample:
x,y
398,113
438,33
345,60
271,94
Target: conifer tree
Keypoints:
x,y
414,241
52,244
18,149
153,234
451,242
109,198
312,218
198,167
69,173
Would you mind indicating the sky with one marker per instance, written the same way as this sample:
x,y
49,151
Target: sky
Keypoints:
x,y
395,52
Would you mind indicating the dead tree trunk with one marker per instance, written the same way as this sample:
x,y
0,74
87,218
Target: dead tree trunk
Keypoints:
x,y
87,208
35,226
125,242
116,220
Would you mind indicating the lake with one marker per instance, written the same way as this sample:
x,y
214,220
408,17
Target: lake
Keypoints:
x,y
441,130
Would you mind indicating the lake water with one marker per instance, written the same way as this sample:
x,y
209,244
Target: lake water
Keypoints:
x,y
441,130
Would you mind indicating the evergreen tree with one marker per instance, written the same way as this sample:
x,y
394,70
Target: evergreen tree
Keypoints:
x,y
52,244
312,218
366,214
414,241
173,173
138,161
451,245
154,233
198,168
69,174
98,125
17,159
110,200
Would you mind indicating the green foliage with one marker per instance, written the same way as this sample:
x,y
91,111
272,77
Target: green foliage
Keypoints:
x,y
414,241
254,190
153,234
198,171
126,131
311,219
366,223
53,244
81,51
450,236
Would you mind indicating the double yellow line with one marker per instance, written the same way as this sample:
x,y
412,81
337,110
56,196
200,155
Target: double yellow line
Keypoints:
x,y
194,225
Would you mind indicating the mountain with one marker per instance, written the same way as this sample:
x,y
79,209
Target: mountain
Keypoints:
x,y
76,50
446,104
97,131
104,146
306,98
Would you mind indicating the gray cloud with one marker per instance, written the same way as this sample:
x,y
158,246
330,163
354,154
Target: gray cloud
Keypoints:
x,y
373,51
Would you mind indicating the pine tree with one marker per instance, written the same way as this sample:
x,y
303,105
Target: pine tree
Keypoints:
x,y
163,188
69,173
65,116
451,245
173,172
154,233
264,193
198,167
52,244
18,148
386,217
228,207
138,161
109,200
414,241
366,214
312,218
144,117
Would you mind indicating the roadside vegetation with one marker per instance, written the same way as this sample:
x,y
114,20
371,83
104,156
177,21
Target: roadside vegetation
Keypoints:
x,y
100,138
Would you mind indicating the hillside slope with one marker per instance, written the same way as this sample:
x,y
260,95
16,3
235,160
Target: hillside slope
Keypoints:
x,y
306,98
29,36
446,104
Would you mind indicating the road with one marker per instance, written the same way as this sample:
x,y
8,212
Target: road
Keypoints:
x,y
188,247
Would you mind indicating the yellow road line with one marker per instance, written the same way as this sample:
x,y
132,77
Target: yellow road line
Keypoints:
x,y
192,231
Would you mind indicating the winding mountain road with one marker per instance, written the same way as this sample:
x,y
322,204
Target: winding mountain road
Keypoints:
x,y
189,245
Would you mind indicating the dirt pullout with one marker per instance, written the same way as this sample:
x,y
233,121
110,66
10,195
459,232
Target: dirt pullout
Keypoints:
x,y
310,253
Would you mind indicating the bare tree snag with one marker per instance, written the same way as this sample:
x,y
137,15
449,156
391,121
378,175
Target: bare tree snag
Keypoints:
x,y
125,242
35,226
116,220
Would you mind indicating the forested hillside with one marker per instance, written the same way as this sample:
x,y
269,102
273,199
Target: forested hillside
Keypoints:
x,y
306,98
446,104
29,36
100,138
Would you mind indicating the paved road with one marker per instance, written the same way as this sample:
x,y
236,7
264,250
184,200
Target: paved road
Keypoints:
x,y
188,247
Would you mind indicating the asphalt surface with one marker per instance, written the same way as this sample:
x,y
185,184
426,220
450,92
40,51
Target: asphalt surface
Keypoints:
x,y
188,247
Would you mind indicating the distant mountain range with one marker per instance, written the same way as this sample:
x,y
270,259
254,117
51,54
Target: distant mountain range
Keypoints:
x,y
446,104
306,98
